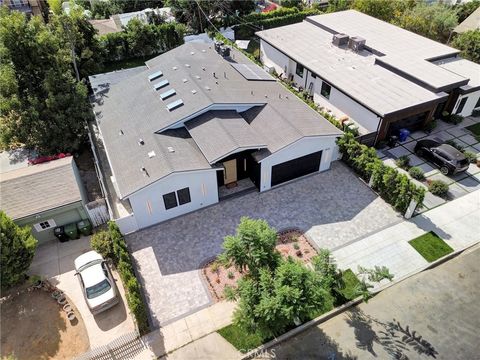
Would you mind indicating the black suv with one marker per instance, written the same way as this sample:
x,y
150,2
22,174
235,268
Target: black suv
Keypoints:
x,y
446,157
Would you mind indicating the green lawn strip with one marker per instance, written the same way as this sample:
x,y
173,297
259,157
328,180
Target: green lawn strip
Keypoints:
x,y
125,64
475,128
242,341
430,246
351,281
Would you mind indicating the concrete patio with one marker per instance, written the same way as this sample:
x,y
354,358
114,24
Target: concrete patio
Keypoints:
x,y
334,208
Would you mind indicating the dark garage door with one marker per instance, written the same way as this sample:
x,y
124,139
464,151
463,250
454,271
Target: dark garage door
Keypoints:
x,y
295,168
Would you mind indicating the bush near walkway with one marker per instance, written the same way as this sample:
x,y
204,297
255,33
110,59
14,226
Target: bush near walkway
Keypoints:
x,y
431,246
394,187
112,244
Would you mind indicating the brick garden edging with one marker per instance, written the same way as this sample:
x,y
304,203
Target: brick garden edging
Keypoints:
x,y
337,311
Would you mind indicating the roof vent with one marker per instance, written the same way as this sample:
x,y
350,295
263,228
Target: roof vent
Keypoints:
x,y
161,84
151,154
204,68
208,88
187,65
184,80
194,91
175,68
144,171
356,43
170,149
203,50
175,104
340,39
120,132
197,77
141,142
192,52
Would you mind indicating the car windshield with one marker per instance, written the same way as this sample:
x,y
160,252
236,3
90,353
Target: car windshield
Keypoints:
x,y
90,263
98,289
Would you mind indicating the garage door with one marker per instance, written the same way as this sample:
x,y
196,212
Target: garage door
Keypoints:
x,y
295,168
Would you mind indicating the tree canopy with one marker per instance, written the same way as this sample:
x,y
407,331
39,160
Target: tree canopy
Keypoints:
x,y
469,44
17,250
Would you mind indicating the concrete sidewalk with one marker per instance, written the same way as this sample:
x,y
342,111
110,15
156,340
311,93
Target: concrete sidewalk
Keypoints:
x,y
457,223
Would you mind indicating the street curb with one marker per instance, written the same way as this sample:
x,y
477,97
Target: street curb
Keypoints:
x,y
337,311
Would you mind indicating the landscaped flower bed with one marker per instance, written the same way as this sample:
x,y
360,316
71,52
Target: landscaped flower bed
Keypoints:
x,y
289,243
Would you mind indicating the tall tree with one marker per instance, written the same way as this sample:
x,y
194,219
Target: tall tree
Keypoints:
x,y
46,107
386,10
469,43
435,21
18,247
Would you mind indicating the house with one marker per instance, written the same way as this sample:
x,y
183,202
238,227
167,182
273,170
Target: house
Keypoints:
x,y
29,7
194,126
43,196
379,76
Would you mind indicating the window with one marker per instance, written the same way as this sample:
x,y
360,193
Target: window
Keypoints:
x,y
461,105
477,105
183,196
44,225
299,70
170,200
325,91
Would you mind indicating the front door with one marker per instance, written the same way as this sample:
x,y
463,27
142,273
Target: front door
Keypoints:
x,y
230,173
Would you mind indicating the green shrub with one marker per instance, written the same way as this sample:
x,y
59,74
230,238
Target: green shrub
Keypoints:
x,y
453,119
102,243
403,162
416,173
432,124
471,157
438,188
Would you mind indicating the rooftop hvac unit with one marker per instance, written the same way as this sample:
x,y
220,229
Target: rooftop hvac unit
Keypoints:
x,y
340,39
225,51
217,45
356,43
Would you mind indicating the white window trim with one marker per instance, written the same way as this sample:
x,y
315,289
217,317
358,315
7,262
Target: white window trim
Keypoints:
x,y
51,222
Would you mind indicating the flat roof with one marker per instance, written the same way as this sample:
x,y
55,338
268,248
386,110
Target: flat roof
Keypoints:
x,y
355,74
30,190
463,67
472,22
382,36
128,109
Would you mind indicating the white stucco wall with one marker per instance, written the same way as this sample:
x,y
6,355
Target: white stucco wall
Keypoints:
x,y
271,57
300,148
203,192
341,104
469,105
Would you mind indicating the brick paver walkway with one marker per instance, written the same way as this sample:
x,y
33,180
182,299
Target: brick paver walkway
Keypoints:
x,y
333,207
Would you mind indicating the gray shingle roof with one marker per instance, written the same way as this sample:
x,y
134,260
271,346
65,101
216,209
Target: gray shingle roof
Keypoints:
x,y
221,133
129,109
31,190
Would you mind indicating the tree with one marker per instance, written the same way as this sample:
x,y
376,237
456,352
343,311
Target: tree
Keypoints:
x,y
141,38
385,10
252,248
338,5
465,9
43,106
55,6
18,247
435,21
469,44
280,299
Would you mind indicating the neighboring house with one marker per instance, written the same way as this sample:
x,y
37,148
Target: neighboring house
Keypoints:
x,y
192,127
117,22
43,196
33,7
472,22
380,76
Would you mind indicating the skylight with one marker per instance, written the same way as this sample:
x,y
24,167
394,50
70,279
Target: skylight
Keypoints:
x,y
173,105
167,94
155,75
161,84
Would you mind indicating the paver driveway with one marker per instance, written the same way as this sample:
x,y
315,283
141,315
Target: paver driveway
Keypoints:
x,y
333,207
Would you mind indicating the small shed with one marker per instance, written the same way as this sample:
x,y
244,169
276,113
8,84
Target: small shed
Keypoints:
x,y
44,196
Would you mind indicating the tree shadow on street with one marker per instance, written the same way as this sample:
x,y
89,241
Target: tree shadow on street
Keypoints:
x,y
395,338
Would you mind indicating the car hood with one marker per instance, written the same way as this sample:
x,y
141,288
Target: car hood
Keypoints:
x,y
110,294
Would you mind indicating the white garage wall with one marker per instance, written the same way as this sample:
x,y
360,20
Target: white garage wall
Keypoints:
x,y
469,105
203,192
271,57
300,148
342,104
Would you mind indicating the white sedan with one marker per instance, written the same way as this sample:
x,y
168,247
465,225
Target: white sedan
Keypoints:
x,y
97,282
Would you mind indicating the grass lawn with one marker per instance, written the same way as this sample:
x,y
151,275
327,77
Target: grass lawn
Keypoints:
x,y
475,128
125,64
430,246
244,342
351,281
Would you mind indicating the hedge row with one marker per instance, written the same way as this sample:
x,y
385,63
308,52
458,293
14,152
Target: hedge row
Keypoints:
x,y
394,187
138,39
112,244
246,30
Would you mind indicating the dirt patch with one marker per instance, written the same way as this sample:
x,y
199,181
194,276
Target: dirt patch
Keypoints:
x,y
34,326
86,168
289,243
